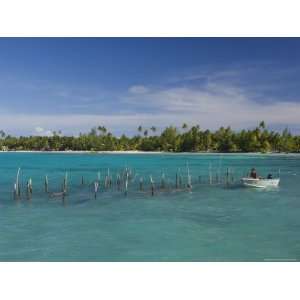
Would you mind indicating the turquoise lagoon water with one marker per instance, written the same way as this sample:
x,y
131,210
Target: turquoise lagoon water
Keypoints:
x,y
209,223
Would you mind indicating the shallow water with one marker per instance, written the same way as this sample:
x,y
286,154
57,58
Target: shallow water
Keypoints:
x,y
210,223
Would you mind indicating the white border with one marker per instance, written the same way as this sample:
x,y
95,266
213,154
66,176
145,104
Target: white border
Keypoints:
x,y
149,281
149,18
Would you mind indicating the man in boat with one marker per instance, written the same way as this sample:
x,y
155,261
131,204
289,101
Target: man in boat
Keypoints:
x,y
253,173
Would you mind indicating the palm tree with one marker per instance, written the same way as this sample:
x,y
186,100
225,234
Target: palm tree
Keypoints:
x,y
2,134
93,132
262,124
146,133
102,129
184,126
153,129
140,130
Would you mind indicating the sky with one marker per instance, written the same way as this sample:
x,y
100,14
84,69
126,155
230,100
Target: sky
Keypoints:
x,y
74,84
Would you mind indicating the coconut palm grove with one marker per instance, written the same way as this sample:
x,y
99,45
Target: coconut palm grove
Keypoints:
x,y
170,139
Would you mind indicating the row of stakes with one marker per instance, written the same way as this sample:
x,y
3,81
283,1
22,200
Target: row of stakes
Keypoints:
x,y
122,180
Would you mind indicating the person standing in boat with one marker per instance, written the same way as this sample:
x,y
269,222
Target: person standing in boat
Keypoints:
x,y
253,173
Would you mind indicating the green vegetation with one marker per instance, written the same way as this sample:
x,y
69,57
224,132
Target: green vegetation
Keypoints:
x,y
171,139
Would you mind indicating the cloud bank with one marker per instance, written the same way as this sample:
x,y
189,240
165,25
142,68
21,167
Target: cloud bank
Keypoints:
x,y
214,102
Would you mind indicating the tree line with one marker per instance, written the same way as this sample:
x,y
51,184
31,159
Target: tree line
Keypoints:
x,y
171,139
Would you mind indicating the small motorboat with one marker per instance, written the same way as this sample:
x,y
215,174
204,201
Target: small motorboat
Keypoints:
x,y
260,182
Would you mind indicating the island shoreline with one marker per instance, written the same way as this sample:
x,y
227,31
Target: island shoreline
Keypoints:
x,y
148,152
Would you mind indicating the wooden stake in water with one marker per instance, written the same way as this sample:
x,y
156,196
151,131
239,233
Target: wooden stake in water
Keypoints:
x,y
46,184
29,188
82,180
227,176
180,180
17,190
152,185
232,177
129,174
219,170
65,184
141,183
106,182
109,178
118,181
189,178
163,184
126,185
210,174
96,186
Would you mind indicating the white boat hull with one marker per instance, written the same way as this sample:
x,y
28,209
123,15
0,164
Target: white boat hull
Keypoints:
x,y
260,182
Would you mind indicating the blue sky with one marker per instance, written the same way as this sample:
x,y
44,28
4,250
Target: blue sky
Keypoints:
x,y
74,84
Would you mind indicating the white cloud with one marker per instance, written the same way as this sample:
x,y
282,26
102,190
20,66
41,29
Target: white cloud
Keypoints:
x,y
215,104
41,131
138,89
48,133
